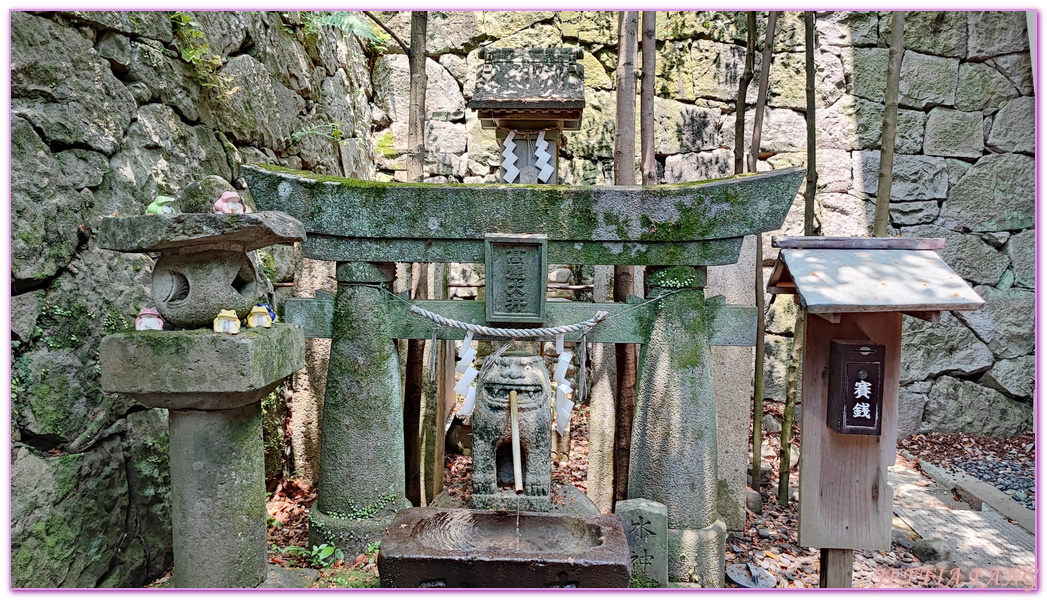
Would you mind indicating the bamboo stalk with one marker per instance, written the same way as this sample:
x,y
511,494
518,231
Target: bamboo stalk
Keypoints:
x,y
517,461
758,373
743,87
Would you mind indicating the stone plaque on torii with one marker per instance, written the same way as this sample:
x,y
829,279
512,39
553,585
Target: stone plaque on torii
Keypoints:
x,y
529,96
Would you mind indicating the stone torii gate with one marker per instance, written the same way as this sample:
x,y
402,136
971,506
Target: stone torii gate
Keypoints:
x,y
674,230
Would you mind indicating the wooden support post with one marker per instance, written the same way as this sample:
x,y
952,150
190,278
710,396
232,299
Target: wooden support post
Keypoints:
x,y
836,568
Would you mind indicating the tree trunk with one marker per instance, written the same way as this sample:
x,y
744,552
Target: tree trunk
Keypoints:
x,y
743,87
625,122
812,171
792,386
416,107
796,357
761,98
890,125
739,141
758,370
739,167
414,366
415,348
625,174
648,165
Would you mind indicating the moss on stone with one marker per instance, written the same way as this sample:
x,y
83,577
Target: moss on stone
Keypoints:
x,y
690,226
164,343
385,147
639,579
273,431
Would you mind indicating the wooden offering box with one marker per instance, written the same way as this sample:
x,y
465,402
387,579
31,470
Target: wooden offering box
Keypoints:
x,y
854,292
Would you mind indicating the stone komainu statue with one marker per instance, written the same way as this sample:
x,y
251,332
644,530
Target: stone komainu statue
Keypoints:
x,y
492,434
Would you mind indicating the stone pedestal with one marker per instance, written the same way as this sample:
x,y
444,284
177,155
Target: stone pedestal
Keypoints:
x,y
361,483
212,384
673,455
218,497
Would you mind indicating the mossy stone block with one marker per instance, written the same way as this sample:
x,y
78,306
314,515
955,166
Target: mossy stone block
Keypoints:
x,y
199,369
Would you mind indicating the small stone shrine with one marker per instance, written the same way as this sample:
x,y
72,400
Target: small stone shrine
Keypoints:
x,y
529,97
212,383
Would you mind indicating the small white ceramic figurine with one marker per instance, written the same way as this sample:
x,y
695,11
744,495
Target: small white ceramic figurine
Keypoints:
x,y
259,317
149,319
226,322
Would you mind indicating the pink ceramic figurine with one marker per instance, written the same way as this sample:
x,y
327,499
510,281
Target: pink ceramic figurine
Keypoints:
x,y
149,319
229,203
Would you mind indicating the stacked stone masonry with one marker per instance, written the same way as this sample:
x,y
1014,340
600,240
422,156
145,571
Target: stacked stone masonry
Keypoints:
x,y
106,114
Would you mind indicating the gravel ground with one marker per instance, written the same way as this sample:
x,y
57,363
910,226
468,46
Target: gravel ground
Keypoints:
x,y
1006,463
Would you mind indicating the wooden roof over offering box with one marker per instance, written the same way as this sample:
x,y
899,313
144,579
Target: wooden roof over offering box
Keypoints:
x,y
840,275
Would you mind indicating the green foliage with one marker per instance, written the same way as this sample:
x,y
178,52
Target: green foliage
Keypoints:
x,y
719,26
673,278
273,433
20,375
196,52
115,322
373,547
320,557
61,327
385,147
348,23
268,261
351,579
324,556
640,579
331,130
364,512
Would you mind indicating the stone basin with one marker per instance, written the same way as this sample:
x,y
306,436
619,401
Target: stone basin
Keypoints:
x,y
435,547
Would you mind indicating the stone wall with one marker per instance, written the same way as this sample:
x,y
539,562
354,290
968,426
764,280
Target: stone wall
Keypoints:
x,y
110,109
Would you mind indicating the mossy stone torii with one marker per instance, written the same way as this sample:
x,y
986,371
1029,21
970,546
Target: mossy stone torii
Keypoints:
x,y
675,230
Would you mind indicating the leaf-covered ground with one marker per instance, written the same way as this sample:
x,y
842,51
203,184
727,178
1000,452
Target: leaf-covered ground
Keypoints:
x,y
768,540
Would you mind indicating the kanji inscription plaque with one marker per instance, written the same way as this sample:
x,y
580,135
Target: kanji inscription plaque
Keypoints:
x,y
855,387
515,275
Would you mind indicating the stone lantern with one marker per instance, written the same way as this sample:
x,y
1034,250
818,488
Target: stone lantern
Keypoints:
x,y
529,97
211,383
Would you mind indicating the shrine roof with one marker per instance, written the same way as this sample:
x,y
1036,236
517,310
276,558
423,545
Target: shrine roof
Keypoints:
x,y
873,275
530,79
